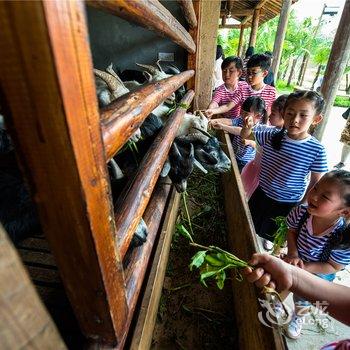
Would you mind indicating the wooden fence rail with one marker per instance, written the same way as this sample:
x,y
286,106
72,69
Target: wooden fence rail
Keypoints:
x,y
188,10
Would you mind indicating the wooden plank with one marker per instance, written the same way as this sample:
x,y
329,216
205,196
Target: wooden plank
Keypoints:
x,y
45,259
50,95
230,26
188,10
34,243
142,335
135,273
150,14
255,26
243,242
337,61
129,212
123,117
203,62
24,321
240,43
280,35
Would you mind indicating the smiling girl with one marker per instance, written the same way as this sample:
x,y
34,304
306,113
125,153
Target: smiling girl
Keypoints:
x,y
290,157
318,237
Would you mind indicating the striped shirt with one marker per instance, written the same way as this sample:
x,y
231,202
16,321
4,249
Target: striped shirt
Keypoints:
x,y
284,174
223,96
244,153
267,93
310,247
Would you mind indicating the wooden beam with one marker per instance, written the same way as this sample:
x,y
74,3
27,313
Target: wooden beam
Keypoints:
x,y
129,212
24,321
246,20
240,43
280,35
338,58
205,36
188,10
51,108
139,261
255,26
230,26
237,13
243,242
124,116
142,336
150,14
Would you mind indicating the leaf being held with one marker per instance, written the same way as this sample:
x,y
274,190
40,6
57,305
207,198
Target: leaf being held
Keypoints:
x,y
198,259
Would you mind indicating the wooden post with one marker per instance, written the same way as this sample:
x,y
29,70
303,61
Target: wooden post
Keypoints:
x,y
51,108
280,35
24,321
188,10
337,61
150,14
255,26
204,35
240,43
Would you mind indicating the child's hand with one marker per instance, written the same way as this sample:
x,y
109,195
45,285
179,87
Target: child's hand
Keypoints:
x,y
249,122
216,125
294,260
209,113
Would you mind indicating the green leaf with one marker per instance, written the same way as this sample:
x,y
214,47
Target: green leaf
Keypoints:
x,y
198,259
182,230
220,279
206,275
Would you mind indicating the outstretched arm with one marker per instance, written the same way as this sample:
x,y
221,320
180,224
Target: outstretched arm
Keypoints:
x,y
219,110
276,273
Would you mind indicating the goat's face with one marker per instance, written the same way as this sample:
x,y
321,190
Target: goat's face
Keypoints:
x,y
200,122
181,160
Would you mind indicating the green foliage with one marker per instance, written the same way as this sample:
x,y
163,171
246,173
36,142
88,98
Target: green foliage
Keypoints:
x,y
342,101
282,88
280,236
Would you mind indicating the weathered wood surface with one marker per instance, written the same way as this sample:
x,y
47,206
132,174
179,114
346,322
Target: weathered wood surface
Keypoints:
x,y
24,321
280,35
135,272
129,212
243,242
337,61
125,115
254,28
49,90
143,331
188,10
150,14
205,35
241,41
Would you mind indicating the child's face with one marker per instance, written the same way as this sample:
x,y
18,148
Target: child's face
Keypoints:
x,y
231,74
276,118
255,116
255,75
299,115
325,199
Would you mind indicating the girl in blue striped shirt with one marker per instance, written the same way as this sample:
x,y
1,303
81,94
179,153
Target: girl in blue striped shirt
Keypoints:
x,y
291,161
318,236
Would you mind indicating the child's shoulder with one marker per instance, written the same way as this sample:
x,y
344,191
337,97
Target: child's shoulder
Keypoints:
x,y
270,89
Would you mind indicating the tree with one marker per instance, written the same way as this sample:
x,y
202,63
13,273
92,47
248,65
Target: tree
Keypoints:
x,y
321,58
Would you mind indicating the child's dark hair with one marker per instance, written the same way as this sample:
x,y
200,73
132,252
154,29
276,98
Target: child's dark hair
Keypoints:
x,y
249,52
258,105
313,96
259,60
235,59
280,102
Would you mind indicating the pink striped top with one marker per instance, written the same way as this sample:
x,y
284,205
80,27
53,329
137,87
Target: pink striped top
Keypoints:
x,y
223,96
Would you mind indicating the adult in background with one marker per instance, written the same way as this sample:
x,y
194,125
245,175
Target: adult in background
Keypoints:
x,y
217,76
345,140
249,53
270,78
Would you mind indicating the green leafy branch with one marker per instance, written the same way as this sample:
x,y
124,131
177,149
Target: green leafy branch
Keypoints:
x,y
280,236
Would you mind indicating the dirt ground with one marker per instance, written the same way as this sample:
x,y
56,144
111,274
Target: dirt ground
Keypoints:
x,y
191,316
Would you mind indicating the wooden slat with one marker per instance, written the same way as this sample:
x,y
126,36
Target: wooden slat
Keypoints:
x,y
150,14
188,10
230,26
122,117
142,336
243,243
24,322
47,79
129,213
135,273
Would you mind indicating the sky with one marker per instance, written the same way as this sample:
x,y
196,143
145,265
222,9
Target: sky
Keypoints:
x,y
313,8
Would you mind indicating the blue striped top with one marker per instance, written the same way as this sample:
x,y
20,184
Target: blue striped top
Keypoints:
x,y
244,153
310,247
284,174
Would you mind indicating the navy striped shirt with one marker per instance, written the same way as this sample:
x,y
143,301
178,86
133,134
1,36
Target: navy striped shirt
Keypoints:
x,y
284,174
310,247
244,153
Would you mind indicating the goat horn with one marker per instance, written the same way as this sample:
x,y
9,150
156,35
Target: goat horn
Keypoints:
x,y
200,166
149,68
109,79
111,71
159,66
203,132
